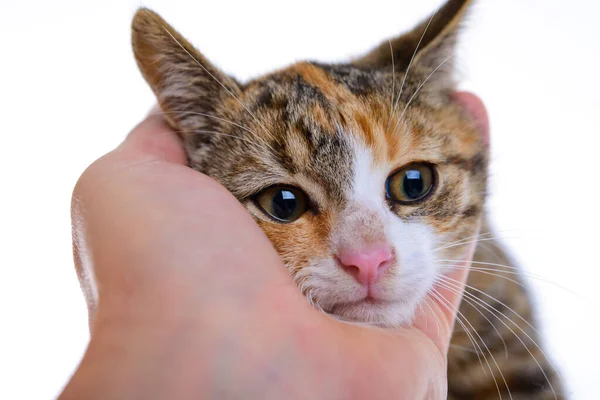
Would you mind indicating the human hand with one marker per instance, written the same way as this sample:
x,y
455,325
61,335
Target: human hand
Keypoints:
x,y
188,299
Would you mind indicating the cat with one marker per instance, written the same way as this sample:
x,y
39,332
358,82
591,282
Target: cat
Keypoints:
x,y
370,179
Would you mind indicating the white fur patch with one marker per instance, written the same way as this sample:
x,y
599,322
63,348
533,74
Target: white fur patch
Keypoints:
x,y
367,218
368,186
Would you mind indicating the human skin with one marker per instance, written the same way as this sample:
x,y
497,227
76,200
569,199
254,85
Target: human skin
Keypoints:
x,y
188,299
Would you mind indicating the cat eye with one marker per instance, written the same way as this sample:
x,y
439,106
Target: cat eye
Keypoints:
x,y
411,183
283,203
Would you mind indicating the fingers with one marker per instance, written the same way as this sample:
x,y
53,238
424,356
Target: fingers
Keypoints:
x,y
439,309
154,138
142,221
476,110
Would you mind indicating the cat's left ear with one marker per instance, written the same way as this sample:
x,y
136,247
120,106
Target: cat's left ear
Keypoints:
x,y
428,49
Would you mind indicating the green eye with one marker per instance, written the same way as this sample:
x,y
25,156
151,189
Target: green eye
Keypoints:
x,y
283,203
411,183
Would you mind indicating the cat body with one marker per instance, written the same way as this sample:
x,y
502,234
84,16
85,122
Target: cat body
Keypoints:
x,y
370,179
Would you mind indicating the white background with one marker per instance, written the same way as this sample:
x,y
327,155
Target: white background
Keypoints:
x,y
70,91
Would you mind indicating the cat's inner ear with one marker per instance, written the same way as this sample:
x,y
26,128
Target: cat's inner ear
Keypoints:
x,y
185,83
427,48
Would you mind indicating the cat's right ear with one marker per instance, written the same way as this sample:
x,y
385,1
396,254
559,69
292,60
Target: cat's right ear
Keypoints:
x,y
185,83
428,47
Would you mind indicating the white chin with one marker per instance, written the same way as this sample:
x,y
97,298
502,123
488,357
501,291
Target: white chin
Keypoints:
x,y
384,314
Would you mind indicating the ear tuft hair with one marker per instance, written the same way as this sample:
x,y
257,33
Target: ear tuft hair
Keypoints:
x,y
428,48
185,83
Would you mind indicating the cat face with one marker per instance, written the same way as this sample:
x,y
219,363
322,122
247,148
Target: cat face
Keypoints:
x,y
359,174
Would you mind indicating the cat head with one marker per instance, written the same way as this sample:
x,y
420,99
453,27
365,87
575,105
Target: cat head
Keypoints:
x,y
360,174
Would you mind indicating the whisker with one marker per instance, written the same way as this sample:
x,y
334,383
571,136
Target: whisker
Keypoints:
x,y
420,310
473,237
419,89
494,249
223,134
465,243
214,117
493,310
438,281
408,68
433,312
468,332
463,348
393,84
229,135
439,297
473,288
483,271
484,263
227,89
511,270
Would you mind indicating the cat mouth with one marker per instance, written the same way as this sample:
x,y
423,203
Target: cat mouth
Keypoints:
x,y
369,299
373,311
367,311
366,305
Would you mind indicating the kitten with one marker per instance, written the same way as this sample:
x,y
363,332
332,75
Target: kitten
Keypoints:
x,y
369,178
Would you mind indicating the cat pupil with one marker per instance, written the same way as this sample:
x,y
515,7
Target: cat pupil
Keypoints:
x,y
284,204
413,184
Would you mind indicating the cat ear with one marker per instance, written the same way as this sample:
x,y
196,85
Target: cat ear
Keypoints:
x,y
185,83
430,46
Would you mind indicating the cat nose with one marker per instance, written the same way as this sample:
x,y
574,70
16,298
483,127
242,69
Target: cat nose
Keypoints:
x,y
366,265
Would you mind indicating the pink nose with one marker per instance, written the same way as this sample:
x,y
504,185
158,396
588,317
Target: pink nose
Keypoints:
x,y
366,265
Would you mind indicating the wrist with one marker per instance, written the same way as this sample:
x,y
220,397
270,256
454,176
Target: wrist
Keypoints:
x,y
139,351
127,359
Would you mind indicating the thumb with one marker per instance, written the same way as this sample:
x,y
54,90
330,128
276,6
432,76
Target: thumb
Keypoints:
x,y
143,221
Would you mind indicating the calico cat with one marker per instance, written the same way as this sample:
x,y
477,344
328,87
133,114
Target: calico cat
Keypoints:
x,y
370,180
